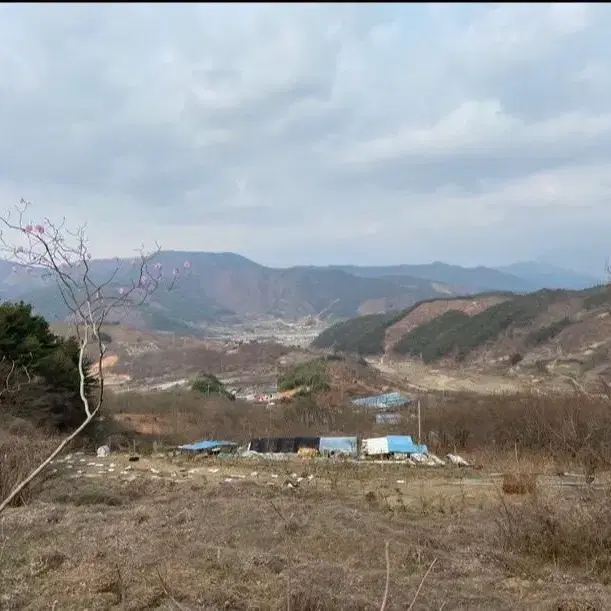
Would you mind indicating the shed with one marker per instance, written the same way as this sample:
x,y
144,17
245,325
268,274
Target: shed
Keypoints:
x,y
390,399
284,445
208,446
392,444
338,445
388,418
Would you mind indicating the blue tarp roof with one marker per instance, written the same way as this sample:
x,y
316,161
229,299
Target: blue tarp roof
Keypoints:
x,y
404,444
199,446
338,444
390,399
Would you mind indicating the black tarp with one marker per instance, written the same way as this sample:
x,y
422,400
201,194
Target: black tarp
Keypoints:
x,y
285,445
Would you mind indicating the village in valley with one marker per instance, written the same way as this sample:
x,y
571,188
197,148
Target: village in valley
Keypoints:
x,y
305,307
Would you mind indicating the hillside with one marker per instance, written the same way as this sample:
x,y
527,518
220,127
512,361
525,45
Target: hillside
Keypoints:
x,y
567,331
228,288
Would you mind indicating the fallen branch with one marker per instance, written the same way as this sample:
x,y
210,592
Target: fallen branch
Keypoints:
x,y
387,586
421,584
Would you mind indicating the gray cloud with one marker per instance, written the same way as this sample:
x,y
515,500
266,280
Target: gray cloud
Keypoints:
x,y
294,133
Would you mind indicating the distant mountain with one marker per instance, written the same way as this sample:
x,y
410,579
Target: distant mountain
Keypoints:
x,y
228,287
465,279
544,275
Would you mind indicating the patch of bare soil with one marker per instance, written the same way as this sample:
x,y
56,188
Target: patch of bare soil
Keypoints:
x,y
422,377
233,535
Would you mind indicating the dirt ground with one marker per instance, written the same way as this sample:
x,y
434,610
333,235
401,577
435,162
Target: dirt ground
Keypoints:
x,y
427,378
179,533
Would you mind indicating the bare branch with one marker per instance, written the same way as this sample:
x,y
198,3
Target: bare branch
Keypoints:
x,y
13,379
411,606
50,251
387,584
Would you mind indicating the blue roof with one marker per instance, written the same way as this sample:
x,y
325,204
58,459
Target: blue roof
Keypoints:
x,y
338,444
390,399
404,444
198,446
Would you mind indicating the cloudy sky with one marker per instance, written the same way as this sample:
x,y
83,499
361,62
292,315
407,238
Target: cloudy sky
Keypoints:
x,y
315,134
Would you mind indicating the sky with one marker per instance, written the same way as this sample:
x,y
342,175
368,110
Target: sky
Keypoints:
x,y
315,134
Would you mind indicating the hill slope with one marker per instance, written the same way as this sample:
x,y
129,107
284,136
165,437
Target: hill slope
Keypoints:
x,y
570,329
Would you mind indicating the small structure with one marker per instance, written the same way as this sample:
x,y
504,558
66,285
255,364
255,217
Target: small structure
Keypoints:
x,y
391,445
334,446
282,445
390,399
208,446
388,418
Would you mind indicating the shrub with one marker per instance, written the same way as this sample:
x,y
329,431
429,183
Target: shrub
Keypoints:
x,y
519,483
574,531
515,358
544,334
209,385
313,375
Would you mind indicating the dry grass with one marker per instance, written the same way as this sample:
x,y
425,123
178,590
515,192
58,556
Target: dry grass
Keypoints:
x,y
229,534
21,451
561,529
519,483
201,542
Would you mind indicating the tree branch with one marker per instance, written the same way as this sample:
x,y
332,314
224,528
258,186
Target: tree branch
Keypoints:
x,y
51,251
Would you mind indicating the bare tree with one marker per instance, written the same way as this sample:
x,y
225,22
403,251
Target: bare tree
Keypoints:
x,y
53,253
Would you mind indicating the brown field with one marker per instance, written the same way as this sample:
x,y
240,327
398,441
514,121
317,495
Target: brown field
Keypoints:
x,y
193,534
172,532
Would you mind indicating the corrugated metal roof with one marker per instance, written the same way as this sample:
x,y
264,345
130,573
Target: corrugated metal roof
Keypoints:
x,y
390,399
199,446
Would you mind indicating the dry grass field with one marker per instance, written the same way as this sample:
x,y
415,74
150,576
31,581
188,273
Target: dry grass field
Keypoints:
x,y
172,532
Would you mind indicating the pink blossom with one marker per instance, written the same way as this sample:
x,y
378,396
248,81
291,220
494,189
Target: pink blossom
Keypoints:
x,y
39,229
121,291
187,264
143,280
28,229
158,265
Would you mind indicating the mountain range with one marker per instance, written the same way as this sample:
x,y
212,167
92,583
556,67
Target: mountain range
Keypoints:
x,y
226,287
